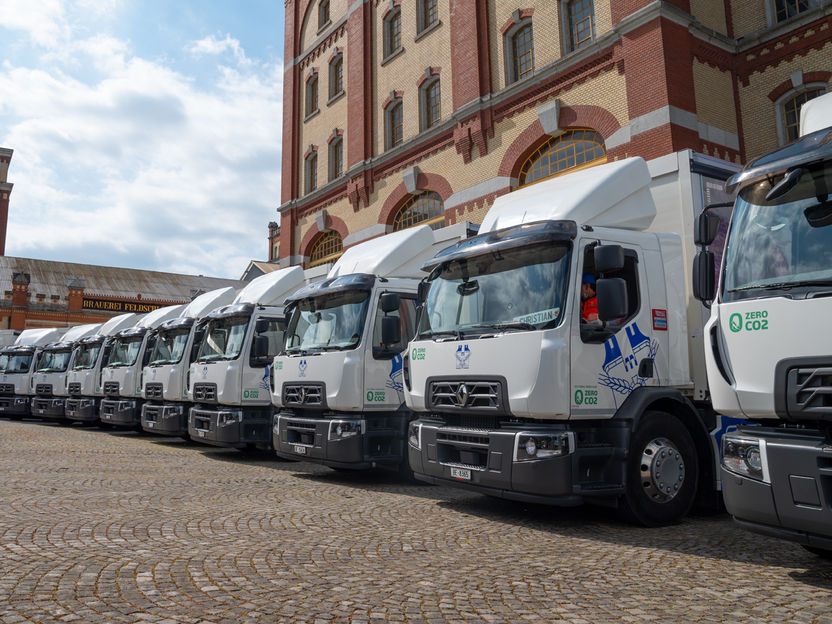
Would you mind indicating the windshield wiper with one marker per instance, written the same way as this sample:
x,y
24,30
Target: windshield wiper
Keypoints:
x,y
443,332
518,325
784,285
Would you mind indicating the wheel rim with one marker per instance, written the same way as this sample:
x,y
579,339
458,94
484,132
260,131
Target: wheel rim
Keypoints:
x,y
662,470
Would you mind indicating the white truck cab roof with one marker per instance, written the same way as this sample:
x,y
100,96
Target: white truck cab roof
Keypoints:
x,y
153,319
77,332
39,337
272,288
206,302
815,114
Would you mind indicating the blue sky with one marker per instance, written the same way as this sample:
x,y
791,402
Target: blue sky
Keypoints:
x,y
146,133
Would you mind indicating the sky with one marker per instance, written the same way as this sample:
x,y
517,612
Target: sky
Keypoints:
x,y
146,133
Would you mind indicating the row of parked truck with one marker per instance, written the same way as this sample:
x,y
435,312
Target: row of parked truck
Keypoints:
x,y
462,358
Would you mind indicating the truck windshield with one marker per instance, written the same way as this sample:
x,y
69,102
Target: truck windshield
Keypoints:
x,y
327,322
54,361
125,351
223,339
170,346
87,356
783,245
517,289
13,363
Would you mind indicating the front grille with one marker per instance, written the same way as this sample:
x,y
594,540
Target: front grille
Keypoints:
x,y
303,394
43,390
205,392
466,394
809,392
6,388
111,388
74,388
463,437
153,391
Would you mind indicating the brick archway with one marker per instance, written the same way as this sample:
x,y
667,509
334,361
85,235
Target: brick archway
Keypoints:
x,y
331,223
582,116
424,182
808,78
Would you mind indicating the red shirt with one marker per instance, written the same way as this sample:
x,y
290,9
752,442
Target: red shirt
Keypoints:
x,y
589,309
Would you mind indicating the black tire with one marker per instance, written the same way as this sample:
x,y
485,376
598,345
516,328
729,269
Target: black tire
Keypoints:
x,y
820,552
643,503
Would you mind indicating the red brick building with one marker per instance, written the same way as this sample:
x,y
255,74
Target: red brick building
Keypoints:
x,y
406,111
5,192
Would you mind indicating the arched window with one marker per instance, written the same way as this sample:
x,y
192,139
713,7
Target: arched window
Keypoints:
x,y
336,158
311,172
570,150
580,17
394,124
427,14
786,9
431,104
312,94
425,208
326,248
336,76
323,14
392,32
791,110
519,47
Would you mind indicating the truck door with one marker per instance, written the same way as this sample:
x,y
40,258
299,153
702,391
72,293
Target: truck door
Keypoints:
x,y
606,356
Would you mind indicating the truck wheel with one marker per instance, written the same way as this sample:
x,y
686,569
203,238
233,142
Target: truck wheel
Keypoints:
x,y
820,552
662,471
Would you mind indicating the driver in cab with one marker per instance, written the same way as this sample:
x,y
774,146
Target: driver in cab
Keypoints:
x,y
589,302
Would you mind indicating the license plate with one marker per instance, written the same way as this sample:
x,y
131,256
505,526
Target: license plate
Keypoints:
x,y
40,411
150,424
300,450
201,433
461,473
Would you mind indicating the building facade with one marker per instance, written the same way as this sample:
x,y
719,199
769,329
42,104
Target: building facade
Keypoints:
x,y
399,112
5,193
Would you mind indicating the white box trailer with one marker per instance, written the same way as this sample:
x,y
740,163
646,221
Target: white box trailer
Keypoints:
x,y
521,398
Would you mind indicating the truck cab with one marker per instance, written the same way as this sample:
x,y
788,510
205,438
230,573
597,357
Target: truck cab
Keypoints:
x,y
769,353
337,386
527,389
229,379
121,376
17,367
84,375
165,391
50,378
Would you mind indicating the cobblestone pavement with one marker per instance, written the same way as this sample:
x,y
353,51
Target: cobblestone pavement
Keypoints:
x,y
100,526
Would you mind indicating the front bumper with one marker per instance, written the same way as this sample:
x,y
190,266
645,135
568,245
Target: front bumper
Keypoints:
x,y
14,406
48,407
364,442
235,427
166,419
483,461
797,503
120,412
82,409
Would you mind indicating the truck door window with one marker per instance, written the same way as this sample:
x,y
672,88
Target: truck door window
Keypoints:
x,y
592,332
274,333
407,315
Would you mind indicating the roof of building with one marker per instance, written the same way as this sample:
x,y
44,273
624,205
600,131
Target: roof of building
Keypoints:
x,y
50,278
256,268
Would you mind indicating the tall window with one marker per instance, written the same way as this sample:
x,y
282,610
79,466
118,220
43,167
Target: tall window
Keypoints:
x,y
311,172
426,208
431,104
327,248
394,122
427,14
519,44
336,158
572,149
312,95
784,9
393,32
791,110
336,76
580,15
323,14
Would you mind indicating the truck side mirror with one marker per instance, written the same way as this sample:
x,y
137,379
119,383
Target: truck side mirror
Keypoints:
x,y
608,258
707,226
704,287
391,331
261,326
260,349
611,294
422,293
389,302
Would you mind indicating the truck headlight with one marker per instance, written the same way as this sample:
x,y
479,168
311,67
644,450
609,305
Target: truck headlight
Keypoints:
x,y
171,410
340,429
414,435
745,455
21,401
227,418
530,446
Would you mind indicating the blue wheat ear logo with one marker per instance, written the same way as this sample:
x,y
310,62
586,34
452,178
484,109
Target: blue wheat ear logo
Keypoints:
x,y
463,354
302,368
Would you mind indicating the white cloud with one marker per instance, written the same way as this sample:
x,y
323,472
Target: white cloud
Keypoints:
x,y
44,21
213,46
143,167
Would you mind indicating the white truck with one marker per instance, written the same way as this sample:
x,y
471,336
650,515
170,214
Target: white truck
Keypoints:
x,y
17,367
768,350
229,379
337,387
521,399
121,376
50,379
165,391
84,375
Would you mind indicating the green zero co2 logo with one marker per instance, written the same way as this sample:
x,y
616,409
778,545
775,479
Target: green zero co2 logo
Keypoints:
x,y
752,321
